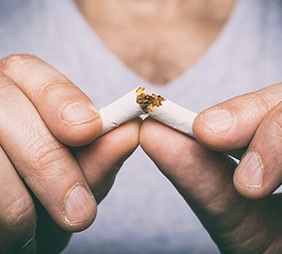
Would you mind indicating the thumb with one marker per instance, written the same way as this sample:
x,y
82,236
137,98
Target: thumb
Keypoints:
x,y
231,125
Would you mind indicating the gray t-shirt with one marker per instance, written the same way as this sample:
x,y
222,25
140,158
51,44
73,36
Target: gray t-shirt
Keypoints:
x,y
143,212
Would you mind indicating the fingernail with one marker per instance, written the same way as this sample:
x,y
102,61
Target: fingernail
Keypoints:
x,y
250,170
79,205
218,120
78,113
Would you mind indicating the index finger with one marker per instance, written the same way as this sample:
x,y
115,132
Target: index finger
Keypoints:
x,y
44,164
65,109
231,125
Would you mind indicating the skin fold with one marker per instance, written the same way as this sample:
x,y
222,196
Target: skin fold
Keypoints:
x,y
56,169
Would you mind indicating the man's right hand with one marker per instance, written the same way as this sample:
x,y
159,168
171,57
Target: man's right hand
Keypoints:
x,y
43,190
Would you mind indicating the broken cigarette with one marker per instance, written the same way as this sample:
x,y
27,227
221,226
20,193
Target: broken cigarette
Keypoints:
x,y
175,116
139,102
120,111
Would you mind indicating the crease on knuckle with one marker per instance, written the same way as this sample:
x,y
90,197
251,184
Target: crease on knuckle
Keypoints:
x,y
18,224
20,212
8,63
6,88
266,103
51,86
44,151
218,200
43,81
213,202
182,162
273,124
277,120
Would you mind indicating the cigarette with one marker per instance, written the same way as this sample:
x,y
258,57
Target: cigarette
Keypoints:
x,y
175,116
139,102
168,112
120,111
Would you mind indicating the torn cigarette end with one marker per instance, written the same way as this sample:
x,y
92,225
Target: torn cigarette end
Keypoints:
x,y
138,102
166,111
148,102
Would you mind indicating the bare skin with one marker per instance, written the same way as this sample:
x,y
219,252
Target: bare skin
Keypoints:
x,y
44,194
159,40
166,38
43,114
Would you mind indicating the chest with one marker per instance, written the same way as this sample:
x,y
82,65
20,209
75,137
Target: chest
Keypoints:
x,y
159,54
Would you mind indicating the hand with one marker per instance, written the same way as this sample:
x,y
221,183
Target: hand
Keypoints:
x,y
43,191
205,178
100,161
250,122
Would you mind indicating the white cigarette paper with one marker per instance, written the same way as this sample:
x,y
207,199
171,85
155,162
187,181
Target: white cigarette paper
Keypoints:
x,y
138,102
120,111
174,116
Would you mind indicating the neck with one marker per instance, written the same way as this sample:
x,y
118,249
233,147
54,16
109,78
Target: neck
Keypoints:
x,y
158,39
161,10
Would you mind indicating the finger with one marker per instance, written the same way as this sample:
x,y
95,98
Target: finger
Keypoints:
x,y
46,166
259,172
177,157
101,160
17,211
66,110
204,179
231,125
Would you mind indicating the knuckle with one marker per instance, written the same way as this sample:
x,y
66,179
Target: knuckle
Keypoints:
x,y
52,87
13,60
6,85
44,82
44,151
8,93
262,101
275,119
18,224
20,212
